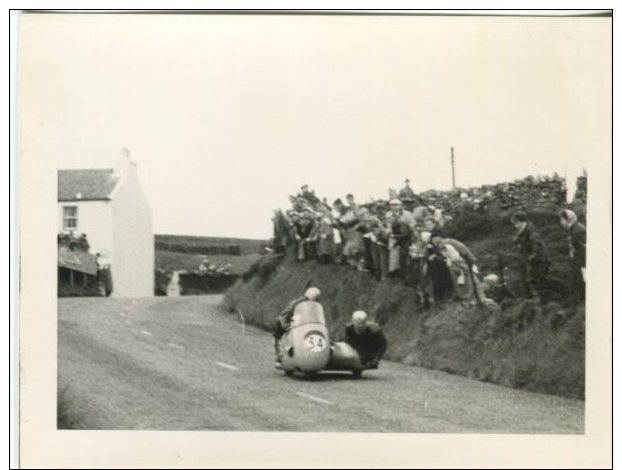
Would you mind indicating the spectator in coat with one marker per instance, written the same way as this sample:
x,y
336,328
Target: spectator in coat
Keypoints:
x,y
459,268
417,270
406,192
380,250
325,234
437,270
534,257
367,338
306,237
402,223
576,247
83,243
309,195
496,291
353,250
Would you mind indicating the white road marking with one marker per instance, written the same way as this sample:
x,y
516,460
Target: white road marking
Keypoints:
x,y
146,333
127,322
226,366
243,321
176,346
316,399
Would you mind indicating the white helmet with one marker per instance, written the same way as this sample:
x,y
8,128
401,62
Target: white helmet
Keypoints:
x,y
312,293
359,316
492,279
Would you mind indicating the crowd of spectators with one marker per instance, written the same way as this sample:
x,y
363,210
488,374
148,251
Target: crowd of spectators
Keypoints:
x,y
404,238
72,242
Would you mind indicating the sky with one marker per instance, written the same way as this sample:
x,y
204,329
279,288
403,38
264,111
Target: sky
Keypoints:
x,y
228,115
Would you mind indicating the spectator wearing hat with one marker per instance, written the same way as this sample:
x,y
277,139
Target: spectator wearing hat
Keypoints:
x,y
83,243
534,257
577,236
406,192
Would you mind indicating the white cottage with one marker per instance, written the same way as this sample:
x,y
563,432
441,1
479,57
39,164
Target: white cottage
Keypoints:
x,y
109,206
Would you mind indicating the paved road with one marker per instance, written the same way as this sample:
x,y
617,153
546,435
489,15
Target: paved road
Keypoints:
x,y
184,364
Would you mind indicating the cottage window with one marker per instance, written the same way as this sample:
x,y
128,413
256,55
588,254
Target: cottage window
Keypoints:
x,y
70,217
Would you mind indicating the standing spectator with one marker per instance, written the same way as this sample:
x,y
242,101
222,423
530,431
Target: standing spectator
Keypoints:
x,y
402,223
576,248
338,211
417,269
367,227
437,271
326,236
406,191
401,233
83,243
309,195
353,249
534,257
354,207
380,249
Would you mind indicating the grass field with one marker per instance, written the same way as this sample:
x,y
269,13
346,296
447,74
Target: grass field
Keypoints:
x,y
177,261
194,244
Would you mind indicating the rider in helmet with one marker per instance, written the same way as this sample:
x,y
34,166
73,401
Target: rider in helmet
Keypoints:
x,y
367,338
284,319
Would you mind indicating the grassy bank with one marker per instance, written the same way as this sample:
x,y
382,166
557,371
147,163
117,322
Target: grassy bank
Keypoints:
x,y
524,346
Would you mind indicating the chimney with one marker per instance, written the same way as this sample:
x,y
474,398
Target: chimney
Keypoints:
x,y
125,166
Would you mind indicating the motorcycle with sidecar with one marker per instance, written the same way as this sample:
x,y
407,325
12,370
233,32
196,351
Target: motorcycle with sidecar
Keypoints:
x,y
306,348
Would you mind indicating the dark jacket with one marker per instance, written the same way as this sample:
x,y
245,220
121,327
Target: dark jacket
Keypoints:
x,y
531,247
401,232
371,344
576,239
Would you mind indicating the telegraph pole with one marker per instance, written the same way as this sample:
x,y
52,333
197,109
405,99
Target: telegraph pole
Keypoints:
x,y
453,170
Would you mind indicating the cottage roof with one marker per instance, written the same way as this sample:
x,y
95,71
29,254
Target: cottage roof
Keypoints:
x,y
86,185
77,260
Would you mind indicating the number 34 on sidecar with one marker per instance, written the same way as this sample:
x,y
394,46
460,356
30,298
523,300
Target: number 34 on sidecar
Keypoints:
x,y
306,346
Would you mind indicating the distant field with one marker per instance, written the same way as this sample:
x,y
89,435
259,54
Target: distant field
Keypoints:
x,y
177,261
191,244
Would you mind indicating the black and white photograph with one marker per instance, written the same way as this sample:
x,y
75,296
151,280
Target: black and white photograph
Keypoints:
x,y
292,222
